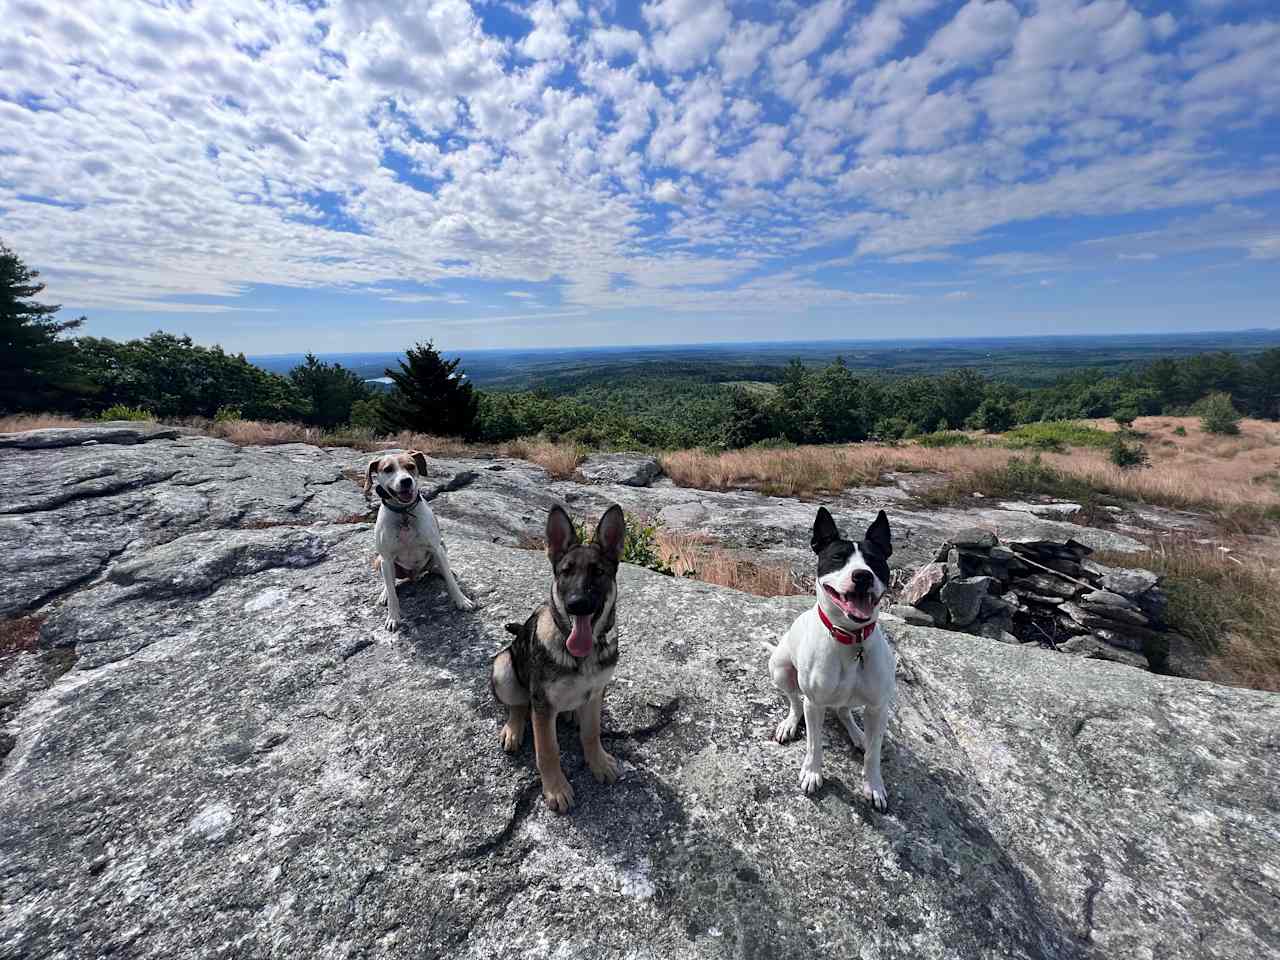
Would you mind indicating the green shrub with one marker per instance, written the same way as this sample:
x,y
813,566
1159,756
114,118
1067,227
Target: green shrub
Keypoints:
x,y
121,411
1055,434
641,549
891,429
1128,456
1179,431
228,414
1218,415
945,438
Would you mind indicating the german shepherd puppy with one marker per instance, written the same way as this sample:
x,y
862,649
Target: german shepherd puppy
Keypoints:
x,y
563,656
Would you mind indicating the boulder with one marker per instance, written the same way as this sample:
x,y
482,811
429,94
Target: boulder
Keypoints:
x,y
1089,646
963,598
912,615
630,469
1129,582
217,750
1114,607
974,538
926,582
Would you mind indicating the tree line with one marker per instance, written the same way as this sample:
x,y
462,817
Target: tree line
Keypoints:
x,y
168,376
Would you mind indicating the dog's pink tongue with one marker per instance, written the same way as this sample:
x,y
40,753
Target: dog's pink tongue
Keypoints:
x,y
580,637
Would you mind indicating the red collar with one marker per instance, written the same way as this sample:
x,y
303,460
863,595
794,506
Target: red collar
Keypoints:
x,y
847,637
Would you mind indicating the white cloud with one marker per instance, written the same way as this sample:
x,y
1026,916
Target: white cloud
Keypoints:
x,y
685,32
198,152
519,294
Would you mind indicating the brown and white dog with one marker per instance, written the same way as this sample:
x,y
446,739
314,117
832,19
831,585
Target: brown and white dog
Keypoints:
x,y
406,534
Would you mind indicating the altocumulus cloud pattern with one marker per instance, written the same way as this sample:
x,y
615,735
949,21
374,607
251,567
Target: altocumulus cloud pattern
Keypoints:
x,y
687,156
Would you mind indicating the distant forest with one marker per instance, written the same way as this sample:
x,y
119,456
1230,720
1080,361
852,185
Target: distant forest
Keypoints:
x,y
614,402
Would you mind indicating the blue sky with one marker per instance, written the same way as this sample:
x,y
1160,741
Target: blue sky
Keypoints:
x,y
280,176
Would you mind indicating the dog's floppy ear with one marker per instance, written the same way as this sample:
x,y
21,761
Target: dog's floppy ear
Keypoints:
x,y
824,531
611,533
561,535
420,459
368,475
878,534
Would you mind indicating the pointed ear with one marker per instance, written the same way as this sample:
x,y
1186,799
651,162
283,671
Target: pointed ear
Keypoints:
x,y
420,459
561,537
368,474
611,533
878,534
824,531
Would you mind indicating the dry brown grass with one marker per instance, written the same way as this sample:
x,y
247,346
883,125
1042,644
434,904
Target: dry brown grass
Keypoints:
x,y
1235,476
696,556
802,471
18,422
560,460
1224,602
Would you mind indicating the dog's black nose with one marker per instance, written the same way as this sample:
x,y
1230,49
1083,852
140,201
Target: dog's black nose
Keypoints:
x,y
862,580
578,604
405,483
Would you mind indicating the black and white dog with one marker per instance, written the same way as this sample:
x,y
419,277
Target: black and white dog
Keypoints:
x,y
835,654
406,533
564,655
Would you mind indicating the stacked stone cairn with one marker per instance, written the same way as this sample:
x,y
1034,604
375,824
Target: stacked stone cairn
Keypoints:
x,y
1041,592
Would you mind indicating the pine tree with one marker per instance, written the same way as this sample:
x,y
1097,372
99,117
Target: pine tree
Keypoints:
x,y
35,365
430,395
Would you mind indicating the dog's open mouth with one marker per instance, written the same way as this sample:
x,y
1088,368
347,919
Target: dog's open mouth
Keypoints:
x,y
856,606
406,496
580,636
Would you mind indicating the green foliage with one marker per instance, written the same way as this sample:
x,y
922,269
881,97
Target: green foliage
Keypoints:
x,y
640,547
228,415
1055,435
366,414
430,395
1218,415
1128,456
36,371
330,389
1179,431
891,429
749,422
994,415
119,411
945,438
174,377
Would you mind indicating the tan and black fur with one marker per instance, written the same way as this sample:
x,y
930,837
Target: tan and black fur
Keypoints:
x,y
563,656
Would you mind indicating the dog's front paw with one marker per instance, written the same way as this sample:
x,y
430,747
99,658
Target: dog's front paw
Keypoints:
x,y
557,792
873,792
511,738
382,597
788,729
393,624
810,779
604,767
464,603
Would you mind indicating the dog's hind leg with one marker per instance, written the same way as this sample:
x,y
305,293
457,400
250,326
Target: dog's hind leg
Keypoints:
x,y
508,691
851,727
783,672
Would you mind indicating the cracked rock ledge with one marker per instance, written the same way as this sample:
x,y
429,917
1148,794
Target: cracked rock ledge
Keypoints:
x,y
241,762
